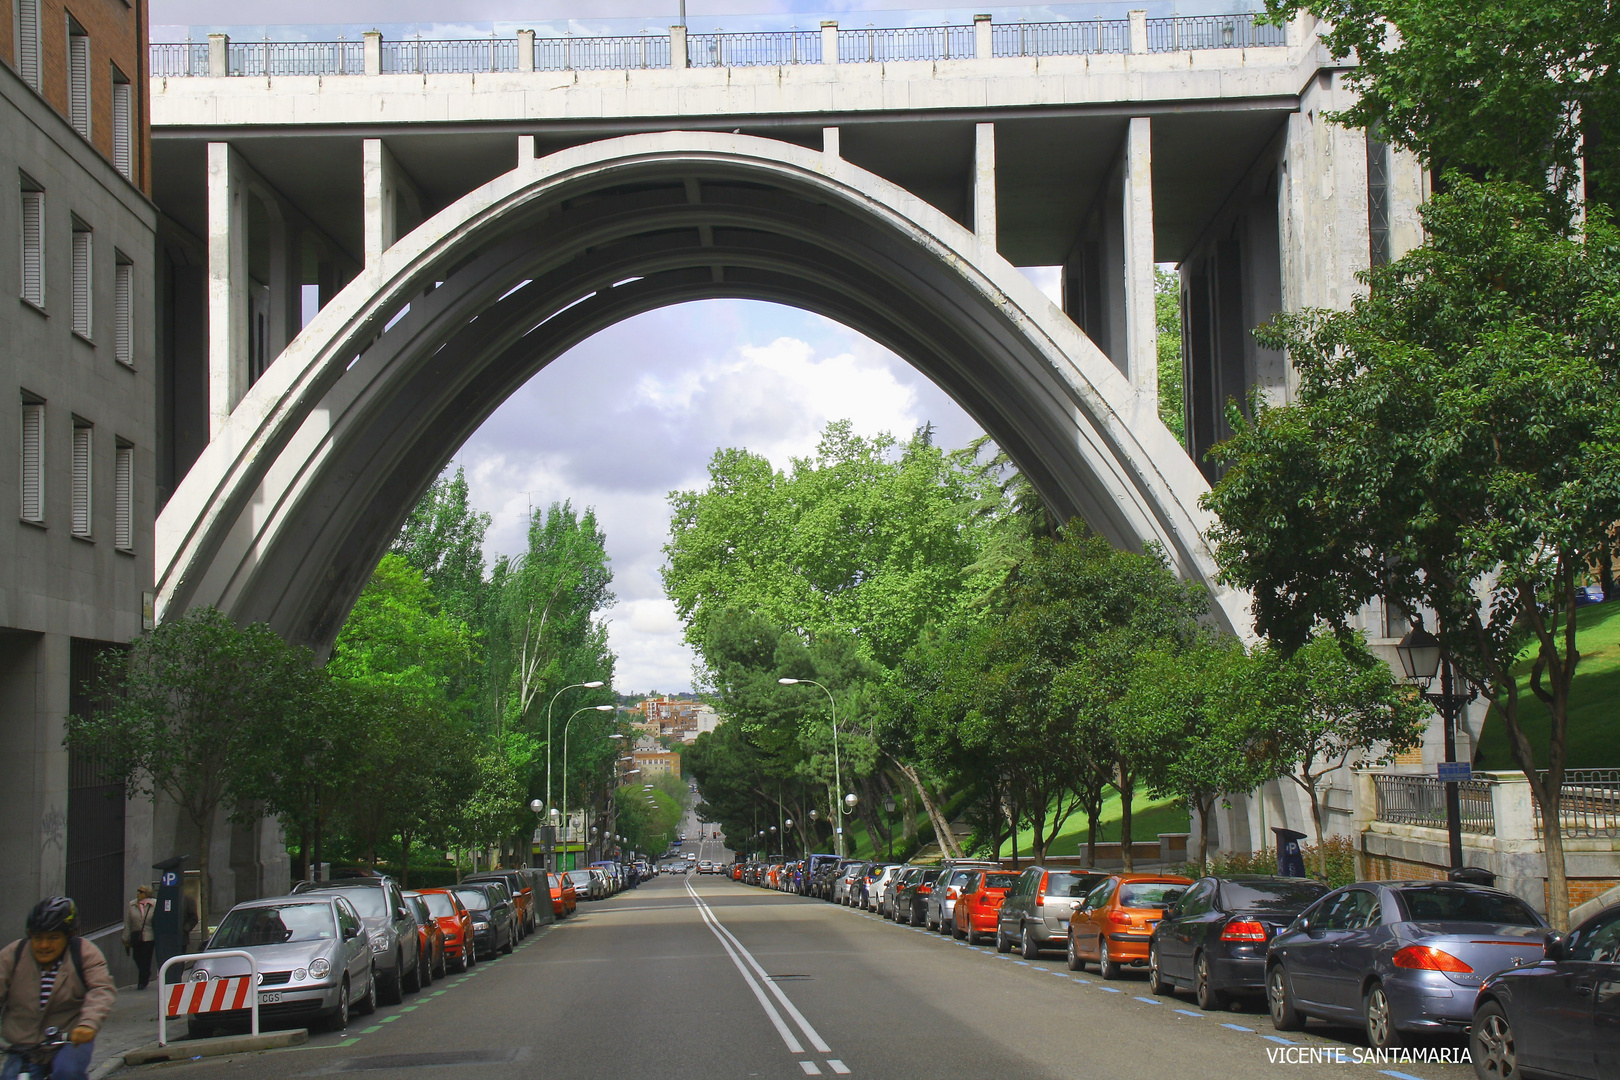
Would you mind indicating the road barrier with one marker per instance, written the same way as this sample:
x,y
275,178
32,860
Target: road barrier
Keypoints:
x,y
212,994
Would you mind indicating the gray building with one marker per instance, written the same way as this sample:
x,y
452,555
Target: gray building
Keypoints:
x,y
79,446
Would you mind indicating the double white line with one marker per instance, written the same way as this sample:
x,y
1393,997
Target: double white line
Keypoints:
x,y
744,960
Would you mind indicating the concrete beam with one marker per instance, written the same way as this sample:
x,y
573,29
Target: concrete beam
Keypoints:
x,y
984,186
227,285
1141,323
388,192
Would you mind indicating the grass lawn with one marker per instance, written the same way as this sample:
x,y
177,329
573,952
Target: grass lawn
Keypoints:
x,y
1149,818
1594,734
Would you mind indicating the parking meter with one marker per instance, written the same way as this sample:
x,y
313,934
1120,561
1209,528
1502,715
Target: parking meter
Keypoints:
x,y
168,921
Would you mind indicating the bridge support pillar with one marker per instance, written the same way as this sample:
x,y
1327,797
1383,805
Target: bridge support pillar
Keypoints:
x,y
228,377
1141,322
984,186
829,41
389,195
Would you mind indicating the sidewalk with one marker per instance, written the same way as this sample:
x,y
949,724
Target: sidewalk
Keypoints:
x,y
132,1023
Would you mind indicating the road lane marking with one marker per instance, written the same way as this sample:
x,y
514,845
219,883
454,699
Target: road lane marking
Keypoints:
x,y
1238,1027
1150,1001
1189,1012
793,1044
1280,1039
810,1068
1111,989
837,1066
1399,1075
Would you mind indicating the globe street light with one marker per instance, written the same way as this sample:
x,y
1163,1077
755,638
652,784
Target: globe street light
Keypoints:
x,y
838,777
569,724
536,805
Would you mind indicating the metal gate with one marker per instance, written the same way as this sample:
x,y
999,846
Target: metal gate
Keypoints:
x,y
95,829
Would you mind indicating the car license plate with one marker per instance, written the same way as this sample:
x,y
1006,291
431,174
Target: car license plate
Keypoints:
x,y
270,998
1151,923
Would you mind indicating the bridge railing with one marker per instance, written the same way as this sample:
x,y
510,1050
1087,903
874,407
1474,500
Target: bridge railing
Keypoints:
x,y
219,55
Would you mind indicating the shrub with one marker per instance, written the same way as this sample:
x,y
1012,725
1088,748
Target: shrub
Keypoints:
x,y
1341,861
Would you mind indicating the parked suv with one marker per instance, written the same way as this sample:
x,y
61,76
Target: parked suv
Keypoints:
x,y
953,873
519,887
390,926
1035,915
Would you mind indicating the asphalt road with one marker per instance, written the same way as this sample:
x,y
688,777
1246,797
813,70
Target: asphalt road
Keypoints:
x,y
700,977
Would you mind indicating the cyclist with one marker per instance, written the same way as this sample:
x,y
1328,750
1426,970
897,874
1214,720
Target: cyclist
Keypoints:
x,y
53,979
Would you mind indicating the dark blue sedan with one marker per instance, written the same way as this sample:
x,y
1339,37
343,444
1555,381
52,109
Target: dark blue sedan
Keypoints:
x,y
1559,1016
1397,957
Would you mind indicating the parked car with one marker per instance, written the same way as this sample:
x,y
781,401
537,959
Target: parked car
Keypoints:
x,y
1213,940
494,921
430,938
1397,957
704,866
911,903
390,928
1035,914
1114,924
941,902
455,924
978,903
314,960
882,891
520,888
564,900
1556,1013
587,886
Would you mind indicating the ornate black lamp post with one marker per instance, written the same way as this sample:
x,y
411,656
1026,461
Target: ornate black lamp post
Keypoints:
x,y
1420,657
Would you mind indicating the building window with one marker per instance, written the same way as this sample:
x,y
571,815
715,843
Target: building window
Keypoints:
x,y
82,459
1377,200
78,78
33,245
81,279
123,125
124,497
28,41
33,461
123,309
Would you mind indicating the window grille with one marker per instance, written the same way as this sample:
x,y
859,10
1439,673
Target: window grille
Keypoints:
x,y
124,497
33,462
28,41
123,121
33,247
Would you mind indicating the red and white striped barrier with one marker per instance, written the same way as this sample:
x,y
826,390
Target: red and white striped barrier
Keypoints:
x,y
207,995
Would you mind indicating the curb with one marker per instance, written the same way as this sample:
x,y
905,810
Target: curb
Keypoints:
x,y
108,1067
195,1048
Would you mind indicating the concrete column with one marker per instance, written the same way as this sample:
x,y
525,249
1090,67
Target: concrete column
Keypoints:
x,y
829,41
1513,807
1138,20
219,55
388,191
525,40
227,285
829,145
1141,323
286,280
373,40
677,47
525,150
34,678
984,186
982,46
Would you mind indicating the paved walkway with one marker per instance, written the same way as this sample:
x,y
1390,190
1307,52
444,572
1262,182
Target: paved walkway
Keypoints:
x,y
132,1023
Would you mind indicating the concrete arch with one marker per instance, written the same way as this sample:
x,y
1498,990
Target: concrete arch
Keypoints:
x,y
287,510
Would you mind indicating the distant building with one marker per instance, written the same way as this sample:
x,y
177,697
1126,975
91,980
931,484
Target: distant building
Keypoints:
x,y
657,762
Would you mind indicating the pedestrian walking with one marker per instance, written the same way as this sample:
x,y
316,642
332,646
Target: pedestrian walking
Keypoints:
x,y
53,979
140,936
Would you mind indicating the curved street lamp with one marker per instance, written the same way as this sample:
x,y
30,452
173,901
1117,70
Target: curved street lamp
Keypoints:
x,y
566,726
594,684
838,773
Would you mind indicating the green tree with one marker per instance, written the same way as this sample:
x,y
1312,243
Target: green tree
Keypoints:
x,y
1167,320
443,538
1452,449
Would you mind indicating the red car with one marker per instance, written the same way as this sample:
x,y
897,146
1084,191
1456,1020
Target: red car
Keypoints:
x,y
563,897
979,902
455,922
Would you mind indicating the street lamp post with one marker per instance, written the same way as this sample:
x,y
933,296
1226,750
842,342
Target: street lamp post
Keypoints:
x,y
786,825
848,801
888,819
566,726
592,685
1421,658
537,806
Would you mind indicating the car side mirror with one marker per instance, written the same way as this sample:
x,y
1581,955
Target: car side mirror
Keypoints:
x,y
350,933
1074,905
402,913
1556,946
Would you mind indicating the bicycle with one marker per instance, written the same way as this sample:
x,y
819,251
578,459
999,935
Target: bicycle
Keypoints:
x,y
37,1058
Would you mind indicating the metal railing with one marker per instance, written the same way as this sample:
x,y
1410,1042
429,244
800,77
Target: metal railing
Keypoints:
x,y
260,58
1590,803
1212,32
623,53
1421,800
754,50
1060,39
449,57
187,58
905,43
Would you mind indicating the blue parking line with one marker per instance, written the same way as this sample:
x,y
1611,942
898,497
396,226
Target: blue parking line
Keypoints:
x,y
1189,1012
1398,1075
1111,989
1025,963
1238,1027
1279,1039
1150,1001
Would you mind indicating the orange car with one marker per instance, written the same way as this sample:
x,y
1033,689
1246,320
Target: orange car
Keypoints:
x,y
563,897
1114,923
978,902
455,921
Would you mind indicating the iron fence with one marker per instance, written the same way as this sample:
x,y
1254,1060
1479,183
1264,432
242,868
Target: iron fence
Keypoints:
x,y
1421,800
905,43
277,58
754,50
179,59
1060,39
602,53
420,56
1212,32
1590,803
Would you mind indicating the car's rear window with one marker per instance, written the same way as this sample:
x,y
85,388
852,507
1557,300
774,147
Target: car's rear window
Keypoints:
x,y
1280,897
439,905
1150,894
473,899
1072,885
1000,881
1442,904
367,901
929,875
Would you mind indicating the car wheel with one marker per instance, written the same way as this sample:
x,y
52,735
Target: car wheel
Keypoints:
x,y
391,993
1381,1031
1003,942
1491,1044
412,982
444,965
1030,949
1209,999
508,949
368,1004
957,932
1109,969
1156,980
340,1015
425,967
1073,950
1280,1000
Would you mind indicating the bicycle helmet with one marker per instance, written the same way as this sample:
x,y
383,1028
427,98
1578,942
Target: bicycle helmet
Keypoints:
x,y
53,914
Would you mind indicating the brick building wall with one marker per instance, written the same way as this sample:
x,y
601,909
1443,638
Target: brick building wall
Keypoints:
x,y
117,30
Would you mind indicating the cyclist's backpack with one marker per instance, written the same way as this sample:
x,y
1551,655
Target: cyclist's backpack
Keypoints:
x,y
73,951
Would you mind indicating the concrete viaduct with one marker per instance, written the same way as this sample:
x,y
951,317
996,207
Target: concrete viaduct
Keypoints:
x,y
464,212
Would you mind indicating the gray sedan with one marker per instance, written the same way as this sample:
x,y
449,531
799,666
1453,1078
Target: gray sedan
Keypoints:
x,y
1398,957
313,957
